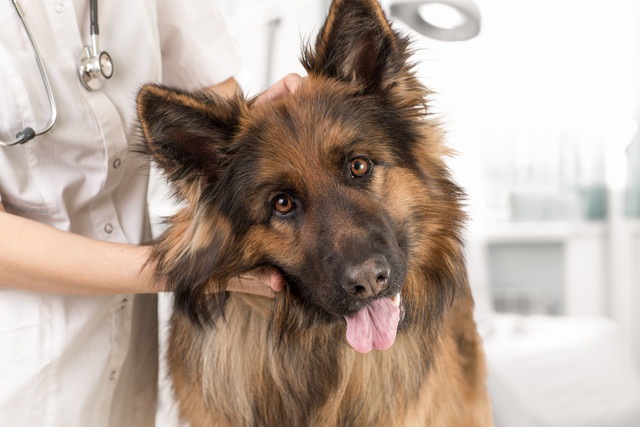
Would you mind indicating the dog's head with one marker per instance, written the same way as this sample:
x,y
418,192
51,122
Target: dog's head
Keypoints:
x,y
340,186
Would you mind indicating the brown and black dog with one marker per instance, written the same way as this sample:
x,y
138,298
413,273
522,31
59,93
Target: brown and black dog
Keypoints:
x,y
342,187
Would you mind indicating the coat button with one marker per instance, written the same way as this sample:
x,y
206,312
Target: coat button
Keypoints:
x,y
108,228
117,163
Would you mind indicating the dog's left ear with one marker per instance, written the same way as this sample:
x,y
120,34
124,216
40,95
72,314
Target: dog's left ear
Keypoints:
x,y
357,45
186,133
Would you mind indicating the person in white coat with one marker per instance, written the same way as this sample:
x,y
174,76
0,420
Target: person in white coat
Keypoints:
x,y
78,324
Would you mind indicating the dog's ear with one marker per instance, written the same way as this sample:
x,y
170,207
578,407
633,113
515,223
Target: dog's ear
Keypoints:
x,y
186,133
357,45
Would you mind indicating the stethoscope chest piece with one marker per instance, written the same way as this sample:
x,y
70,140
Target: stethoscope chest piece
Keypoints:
x,y
95,68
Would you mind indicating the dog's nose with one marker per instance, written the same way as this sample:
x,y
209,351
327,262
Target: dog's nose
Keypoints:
x,y
368,278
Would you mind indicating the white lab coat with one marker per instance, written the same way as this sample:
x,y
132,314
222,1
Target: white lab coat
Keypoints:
x,y
76,360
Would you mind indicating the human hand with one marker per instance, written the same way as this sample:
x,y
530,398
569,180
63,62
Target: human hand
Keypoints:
x,y
263,281
287,85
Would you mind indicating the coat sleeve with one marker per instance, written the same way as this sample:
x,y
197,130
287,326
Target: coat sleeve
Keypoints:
x,y
197,48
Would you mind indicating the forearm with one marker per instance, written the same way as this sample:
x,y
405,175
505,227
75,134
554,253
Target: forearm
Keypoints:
x,y
37,257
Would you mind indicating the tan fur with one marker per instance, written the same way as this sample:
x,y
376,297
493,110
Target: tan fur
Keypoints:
x,y
376,386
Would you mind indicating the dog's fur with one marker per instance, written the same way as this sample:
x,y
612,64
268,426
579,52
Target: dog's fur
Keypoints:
x,y
240,360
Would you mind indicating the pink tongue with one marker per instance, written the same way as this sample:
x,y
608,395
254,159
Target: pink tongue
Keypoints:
x,y
374,326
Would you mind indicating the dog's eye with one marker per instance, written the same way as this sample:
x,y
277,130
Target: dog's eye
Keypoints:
x,y
283,204
360,166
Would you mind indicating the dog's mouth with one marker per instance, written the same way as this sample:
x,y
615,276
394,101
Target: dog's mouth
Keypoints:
x,y
371,324
375,326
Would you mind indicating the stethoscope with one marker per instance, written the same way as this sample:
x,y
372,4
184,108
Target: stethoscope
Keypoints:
x,y
94,69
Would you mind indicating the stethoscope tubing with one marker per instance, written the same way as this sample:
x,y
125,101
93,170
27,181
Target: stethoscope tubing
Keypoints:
x,y
95,68
29,133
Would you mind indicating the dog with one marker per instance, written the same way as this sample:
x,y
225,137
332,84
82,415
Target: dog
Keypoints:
x,y
343,188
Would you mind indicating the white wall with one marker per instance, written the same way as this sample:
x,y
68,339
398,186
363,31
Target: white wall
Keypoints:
x,y
282,25
540,73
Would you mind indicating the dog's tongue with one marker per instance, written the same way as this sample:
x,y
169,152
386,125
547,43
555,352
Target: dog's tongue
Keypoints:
x,y
374,326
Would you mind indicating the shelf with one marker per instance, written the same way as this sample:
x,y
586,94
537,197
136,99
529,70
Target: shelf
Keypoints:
x,y
543,231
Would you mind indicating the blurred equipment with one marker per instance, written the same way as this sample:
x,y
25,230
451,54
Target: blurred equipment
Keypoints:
x,y
444,20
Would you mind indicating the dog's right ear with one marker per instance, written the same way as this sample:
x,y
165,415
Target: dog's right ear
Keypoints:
x,y
357,45
186,133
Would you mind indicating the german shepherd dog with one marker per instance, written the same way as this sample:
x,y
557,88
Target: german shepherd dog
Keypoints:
x,y
342,187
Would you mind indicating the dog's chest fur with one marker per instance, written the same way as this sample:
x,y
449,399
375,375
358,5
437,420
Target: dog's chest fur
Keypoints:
x,y
248,378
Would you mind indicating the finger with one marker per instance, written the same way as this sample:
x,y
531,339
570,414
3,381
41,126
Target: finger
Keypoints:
x,y
292,82
287,85
276,281
250,285
269,277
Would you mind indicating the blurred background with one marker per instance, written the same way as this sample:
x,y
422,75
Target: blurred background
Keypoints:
x,y
541,100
